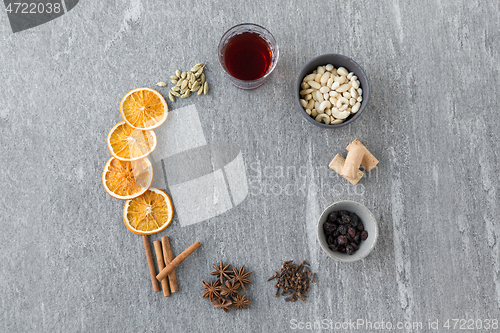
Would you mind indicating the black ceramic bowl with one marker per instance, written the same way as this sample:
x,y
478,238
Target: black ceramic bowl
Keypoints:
x,y
337,60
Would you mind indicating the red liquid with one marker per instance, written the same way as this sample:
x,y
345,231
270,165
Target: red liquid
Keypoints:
x,y
247,56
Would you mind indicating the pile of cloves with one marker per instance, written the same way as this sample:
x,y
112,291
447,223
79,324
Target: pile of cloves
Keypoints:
x,y
293,280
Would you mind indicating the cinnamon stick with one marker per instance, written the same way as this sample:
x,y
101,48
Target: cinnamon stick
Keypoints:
x,y
353,161
177,260
161,265
369,161
151,264
168,257
338,163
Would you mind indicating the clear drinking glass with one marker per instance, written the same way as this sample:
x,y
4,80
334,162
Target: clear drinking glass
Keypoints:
x,y
248,54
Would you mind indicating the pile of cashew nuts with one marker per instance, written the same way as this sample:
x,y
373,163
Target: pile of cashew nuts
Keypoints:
x,y
330,95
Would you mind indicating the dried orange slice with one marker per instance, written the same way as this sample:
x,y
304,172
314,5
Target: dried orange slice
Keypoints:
x,y
126,180
129,144
144,108
149,213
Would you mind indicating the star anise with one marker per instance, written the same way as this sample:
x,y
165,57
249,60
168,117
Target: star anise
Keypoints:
x,y
241,302
222,271
230,288
224,304
241,277
211,289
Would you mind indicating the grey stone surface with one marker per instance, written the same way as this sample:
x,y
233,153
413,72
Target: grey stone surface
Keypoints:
x,y
67,262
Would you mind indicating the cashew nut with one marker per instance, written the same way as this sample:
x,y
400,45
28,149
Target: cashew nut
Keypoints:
x,y
340,114
314,84
309,77
323,106
316,106
319,96
323,118
310,104
356,107
342,71
341,101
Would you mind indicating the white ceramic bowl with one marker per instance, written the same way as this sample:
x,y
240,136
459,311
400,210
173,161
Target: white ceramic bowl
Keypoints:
x,y
369,222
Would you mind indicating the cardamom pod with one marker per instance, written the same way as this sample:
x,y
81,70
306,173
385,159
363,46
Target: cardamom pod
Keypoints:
x,y
171,97
174,77
196,67
161,84
176,88
195,86
205,88
200,91
175,93
178,73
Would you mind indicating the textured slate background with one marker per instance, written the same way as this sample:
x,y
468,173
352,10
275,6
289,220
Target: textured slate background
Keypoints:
x,y
67,263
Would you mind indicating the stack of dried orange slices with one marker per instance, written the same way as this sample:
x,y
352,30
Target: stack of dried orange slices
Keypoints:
x,y
128,174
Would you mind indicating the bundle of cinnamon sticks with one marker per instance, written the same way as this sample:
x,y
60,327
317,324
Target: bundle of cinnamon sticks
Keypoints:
x,y
166,264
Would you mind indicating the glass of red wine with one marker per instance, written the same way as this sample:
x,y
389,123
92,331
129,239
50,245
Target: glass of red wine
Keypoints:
x,y
248,53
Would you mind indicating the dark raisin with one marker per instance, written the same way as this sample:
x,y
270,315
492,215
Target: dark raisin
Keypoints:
x,y
349,238
342,249
332,217
342,230
341,240
360,226
333,247
364,235
344,213
354,246
349,249
329,227
330,240
346,219
357,238
354,220
336,233
351,231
